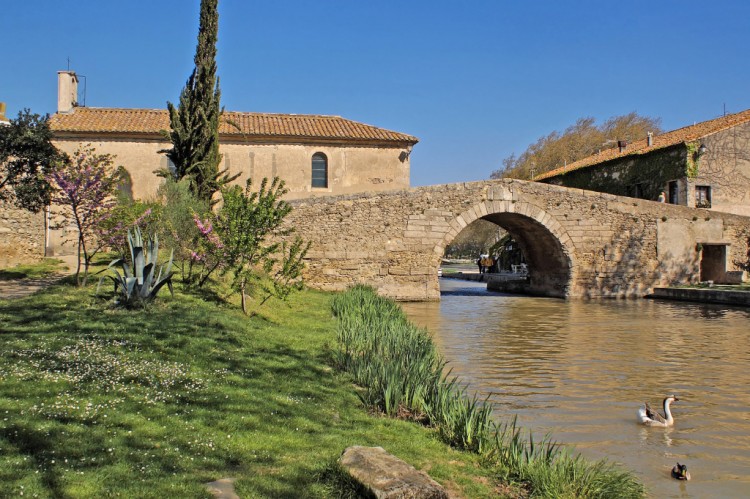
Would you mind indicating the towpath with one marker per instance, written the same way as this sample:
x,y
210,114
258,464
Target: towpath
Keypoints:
x,y
18,288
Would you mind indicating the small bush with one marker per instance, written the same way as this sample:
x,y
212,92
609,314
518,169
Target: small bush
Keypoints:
x,y
126,214
177,229
140,280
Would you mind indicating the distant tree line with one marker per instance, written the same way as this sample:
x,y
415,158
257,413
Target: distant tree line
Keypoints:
x,y
578,141
475,239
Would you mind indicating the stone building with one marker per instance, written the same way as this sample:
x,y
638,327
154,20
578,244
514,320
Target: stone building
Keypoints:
x,y
705,165
315,155
3,119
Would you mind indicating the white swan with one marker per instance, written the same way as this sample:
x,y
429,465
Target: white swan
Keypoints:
x,y
650,417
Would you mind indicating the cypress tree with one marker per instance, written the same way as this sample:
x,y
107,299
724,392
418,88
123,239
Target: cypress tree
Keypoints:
x,y
195,122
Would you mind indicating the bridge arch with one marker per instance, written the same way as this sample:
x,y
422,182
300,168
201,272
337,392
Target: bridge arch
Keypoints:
x,y
579,243
544,241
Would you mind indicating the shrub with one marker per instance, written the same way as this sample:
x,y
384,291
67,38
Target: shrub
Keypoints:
x,y
124,216
139,286
246,239
177,228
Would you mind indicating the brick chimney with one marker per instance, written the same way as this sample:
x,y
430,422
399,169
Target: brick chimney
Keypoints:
x,y
3,119
67,91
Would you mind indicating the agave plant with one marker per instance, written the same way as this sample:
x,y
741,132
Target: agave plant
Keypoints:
x,y
139,285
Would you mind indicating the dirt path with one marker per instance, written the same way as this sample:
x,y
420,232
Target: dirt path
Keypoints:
x,y
18,288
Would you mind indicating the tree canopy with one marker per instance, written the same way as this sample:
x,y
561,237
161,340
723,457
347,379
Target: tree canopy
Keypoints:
x,y
195,121
578,141
26,157
84,187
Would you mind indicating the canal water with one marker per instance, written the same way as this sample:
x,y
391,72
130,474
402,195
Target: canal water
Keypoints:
x,y
579,370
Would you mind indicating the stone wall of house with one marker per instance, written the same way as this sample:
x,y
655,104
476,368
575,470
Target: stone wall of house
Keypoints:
x,y
725,168
577,243
642,176
139,157
21,236
350,169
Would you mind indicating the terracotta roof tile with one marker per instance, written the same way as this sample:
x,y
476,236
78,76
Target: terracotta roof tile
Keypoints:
x,y
667,139
251,125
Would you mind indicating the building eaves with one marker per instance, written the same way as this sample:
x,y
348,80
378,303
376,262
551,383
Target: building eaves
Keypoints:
x,y
234,125
668,139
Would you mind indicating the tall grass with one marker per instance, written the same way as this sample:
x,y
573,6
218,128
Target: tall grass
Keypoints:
x,y
401,374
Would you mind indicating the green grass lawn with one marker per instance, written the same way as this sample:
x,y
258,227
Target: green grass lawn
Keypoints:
x,y
97,402
45,268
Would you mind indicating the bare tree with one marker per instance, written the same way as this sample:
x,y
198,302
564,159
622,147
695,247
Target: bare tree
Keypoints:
x,y
578,141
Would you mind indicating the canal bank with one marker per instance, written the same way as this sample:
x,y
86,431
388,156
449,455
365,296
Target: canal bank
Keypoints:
x,y
518,284
737,297
163,400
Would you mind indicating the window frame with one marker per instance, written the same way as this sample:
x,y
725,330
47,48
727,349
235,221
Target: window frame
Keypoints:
x,y
637,190
319,181
702,196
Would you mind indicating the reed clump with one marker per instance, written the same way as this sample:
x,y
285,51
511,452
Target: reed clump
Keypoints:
x,y
401,374
400,371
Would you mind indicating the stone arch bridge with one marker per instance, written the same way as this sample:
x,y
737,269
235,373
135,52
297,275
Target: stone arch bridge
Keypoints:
x,y
577,243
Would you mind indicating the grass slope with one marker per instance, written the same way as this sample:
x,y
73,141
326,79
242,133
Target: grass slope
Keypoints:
x,y
96,402
46,268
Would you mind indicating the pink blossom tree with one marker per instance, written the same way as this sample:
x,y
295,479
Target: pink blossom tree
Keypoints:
x,y
84,187
247,239
210,254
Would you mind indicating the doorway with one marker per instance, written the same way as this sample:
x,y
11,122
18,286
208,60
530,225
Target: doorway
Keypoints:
x,y
673,193
714,262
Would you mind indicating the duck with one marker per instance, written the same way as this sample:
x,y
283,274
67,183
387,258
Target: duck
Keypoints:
x,y
649,417
680,472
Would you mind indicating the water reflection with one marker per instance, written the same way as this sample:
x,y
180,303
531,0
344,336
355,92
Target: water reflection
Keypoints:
x,y
580,370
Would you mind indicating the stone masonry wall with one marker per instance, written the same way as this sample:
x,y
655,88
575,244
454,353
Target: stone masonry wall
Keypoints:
x,y
725,167
21,236
579,243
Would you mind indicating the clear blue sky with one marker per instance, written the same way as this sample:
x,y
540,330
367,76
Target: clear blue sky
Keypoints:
x,y
474,80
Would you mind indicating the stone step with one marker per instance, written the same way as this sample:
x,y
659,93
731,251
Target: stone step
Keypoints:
x,y
388,477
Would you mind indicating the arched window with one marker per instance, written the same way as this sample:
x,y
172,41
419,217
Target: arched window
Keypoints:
x,y
319,170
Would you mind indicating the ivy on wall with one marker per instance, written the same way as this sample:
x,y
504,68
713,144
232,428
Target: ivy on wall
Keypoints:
x,y
642,176
692,159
